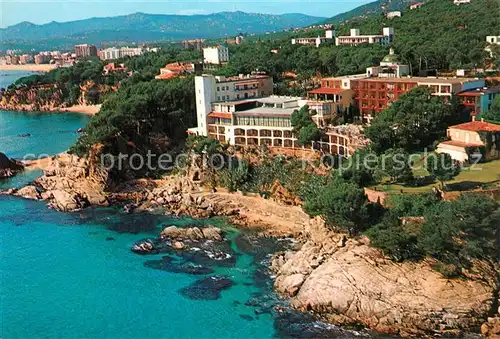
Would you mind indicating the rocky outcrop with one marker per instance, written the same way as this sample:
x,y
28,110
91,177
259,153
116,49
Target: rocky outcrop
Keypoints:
x,y
192,233
71,183
347,281
9,167
28,192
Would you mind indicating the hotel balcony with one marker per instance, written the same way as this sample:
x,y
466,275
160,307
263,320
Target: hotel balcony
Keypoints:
x,y
239,131
252,133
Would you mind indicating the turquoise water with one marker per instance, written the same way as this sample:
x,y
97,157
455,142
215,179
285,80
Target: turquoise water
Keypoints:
x,y
73,275
51,133
62,278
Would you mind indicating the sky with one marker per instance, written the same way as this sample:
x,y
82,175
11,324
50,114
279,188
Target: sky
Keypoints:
x,y
44,11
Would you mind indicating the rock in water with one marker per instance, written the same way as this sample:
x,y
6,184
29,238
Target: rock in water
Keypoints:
x,y
207,288
29,192
9,167
174,266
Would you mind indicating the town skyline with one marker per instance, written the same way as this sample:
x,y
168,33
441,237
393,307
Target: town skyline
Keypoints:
x,y
40,12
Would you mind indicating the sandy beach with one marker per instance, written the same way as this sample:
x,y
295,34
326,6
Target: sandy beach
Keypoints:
x,y
88,109
28,67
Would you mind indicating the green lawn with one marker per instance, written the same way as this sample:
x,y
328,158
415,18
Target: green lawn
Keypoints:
x,y
486,175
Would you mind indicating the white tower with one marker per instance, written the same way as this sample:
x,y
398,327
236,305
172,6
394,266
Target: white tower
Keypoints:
x,y
205,94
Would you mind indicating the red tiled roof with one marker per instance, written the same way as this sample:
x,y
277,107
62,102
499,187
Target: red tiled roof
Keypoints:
x,y
220,115
477,126
324,90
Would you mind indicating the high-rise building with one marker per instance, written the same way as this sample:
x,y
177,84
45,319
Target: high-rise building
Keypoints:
x,y
210,89
109,53
85,50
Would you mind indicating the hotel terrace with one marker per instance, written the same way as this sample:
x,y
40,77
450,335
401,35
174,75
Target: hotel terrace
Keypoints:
x,y
267,121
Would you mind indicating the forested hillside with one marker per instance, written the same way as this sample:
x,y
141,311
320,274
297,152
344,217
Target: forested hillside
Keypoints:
x,y
438,35
371,9
143,27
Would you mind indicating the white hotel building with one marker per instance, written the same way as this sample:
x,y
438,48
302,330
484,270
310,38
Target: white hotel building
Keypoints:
x,y
242,111
356,39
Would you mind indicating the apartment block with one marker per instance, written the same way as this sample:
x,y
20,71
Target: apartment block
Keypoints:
x,y
85,50
110,53
216,55
355,38
381,85
329,35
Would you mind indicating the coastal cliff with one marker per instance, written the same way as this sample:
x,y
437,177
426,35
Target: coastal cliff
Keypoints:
x,y
346,281
339,279
49,97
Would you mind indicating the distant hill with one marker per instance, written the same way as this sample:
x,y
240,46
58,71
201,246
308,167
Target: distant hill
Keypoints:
x,y
372,9
141,27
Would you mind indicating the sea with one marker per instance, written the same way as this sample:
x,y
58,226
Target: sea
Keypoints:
x,y
73,275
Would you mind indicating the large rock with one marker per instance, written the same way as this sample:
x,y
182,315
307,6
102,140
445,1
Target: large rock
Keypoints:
x,y
65,201
29,192
71,183
192,233
351,282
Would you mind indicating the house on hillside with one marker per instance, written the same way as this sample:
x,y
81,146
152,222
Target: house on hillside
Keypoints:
x,y
471,140
393,14
461,2
416,5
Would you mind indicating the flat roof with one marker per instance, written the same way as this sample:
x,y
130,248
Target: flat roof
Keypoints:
x,y
323,90
268,112
278,99
343,77
427,80
235,102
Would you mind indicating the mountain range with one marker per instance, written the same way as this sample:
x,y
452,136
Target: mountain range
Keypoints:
x,y
142,27
372,9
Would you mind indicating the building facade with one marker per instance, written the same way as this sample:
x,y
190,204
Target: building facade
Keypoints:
x,y
374,91
393,14
216,55
85,50
329,35
211,89
356,39
196,44
479,100
472,140
267,122
110,53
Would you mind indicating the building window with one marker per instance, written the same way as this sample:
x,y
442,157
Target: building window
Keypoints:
x,y
218,88
218,98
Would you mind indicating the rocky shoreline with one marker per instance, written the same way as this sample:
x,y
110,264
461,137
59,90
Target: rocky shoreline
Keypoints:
x,y
338,279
